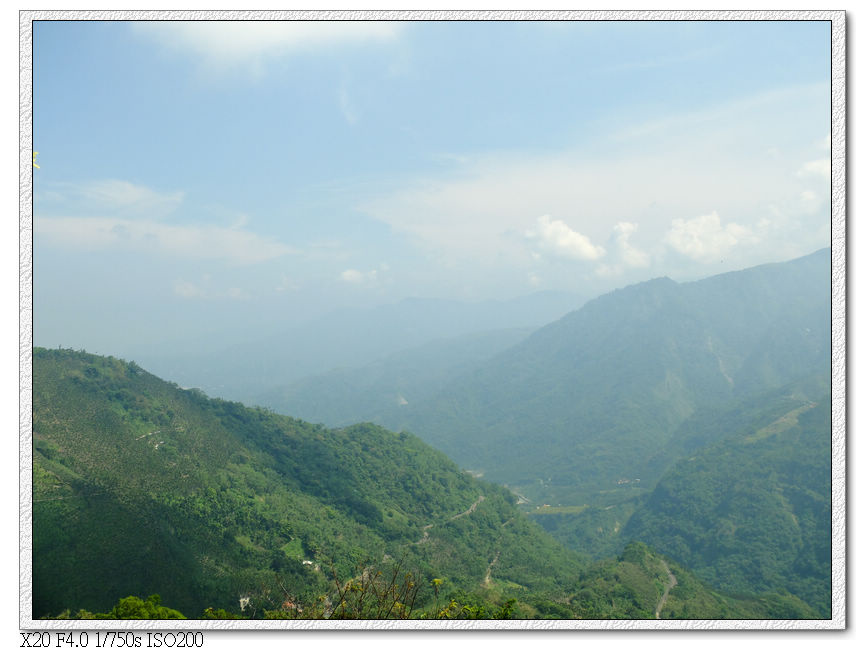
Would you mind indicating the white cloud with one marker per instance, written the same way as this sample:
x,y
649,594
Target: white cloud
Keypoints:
x,y
704,239
193,291
230,245
557,238
821,167
348,110
186,289
117,193
659,62
353,276
286,284
475,213
225,42
624,255
479,213
117,197
373,277
240,222
736,112
608,270
236,293
629,254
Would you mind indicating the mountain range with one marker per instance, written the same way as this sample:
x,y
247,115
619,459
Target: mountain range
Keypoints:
x,y
664,450
587,418
269,355
605,386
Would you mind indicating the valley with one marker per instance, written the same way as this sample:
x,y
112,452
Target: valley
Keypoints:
x,y
689,419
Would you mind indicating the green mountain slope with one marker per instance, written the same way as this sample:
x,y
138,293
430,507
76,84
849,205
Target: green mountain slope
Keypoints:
x,y
578,407
710,425
641,583
596,528
752,512
141,487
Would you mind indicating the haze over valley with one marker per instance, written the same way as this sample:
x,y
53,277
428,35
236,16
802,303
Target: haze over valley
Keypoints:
x,y
432,320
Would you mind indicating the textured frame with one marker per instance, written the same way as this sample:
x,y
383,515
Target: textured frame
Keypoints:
x,y
839,322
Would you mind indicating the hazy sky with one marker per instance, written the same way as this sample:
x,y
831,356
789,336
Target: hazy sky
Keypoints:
x,y
195,176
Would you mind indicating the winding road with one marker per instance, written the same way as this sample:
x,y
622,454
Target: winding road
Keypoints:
x,y
488,578
470,510
672,583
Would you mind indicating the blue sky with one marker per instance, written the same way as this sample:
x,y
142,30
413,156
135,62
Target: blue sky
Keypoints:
x,y
199,177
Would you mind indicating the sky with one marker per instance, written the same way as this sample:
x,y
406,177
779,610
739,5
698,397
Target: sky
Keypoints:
x,y
197,179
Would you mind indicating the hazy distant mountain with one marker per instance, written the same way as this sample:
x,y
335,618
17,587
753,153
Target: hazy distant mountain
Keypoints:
x,y
580,404
379,391
346,339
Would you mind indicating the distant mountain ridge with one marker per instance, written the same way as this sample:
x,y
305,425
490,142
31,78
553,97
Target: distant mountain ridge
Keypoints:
x,y
692,417
257,363
583,401
379,391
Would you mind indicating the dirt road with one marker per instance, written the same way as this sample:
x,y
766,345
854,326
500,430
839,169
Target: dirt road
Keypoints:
x,y
672,583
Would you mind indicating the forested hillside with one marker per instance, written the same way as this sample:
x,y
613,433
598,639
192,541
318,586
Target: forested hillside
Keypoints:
x,y
641,583
141,487
752,512
652,385
578,407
